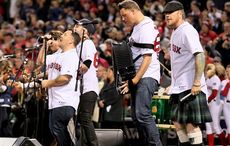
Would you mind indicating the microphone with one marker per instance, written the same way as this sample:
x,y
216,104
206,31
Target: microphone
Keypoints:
x,y
85,22
36,47
47,36
9,56
31,49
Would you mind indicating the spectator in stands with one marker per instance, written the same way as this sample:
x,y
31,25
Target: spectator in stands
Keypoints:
x,y
107,50
101,75
206,33
166,73
195,8
213,83
208,58
225,92
112,13
227,6
195,14
8,43
213,13
20,41
55,10
220,70
222,44
110,103
101,72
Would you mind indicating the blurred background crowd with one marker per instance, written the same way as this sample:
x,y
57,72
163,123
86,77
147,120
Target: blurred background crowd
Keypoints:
x,y
23,22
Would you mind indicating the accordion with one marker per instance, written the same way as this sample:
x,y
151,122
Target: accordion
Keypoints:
x,y
123,63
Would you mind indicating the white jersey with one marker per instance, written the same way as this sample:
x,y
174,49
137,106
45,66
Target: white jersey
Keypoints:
x,y
63,64
89,52
226,108
146,32
223,84
184,44
215,106
213,83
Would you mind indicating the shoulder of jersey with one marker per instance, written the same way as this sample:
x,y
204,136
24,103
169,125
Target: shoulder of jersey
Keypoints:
x,y
88,41
188,27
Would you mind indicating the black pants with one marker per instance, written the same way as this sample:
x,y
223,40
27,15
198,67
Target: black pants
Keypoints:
x,y
5,127
85,111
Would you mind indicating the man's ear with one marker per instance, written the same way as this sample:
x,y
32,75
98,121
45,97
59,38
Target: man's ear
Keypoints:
x,y
85,31
133,11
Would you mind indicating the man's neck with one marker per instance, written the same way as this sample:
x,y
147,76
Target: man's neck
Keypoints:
x,y
140,17
68,48
181,21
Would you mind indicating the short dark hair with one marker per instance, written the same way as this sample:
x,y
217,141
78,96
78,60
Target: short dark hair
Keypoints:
x,y
228,66
76,37
128,4
55,34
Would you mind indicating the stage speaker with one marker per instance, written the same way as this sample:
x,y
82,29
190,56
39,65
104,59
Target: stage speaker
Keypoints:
x,y
110,137
21,141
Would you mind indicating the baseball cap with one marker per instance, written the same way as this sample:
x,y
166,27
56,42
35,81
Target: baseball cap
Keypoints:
x,y
103,62
173,6
217,59
90,27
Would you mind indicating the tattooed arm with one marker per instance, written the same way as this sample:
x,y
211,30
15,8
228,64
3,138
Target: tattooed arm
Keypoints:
x,y
199,70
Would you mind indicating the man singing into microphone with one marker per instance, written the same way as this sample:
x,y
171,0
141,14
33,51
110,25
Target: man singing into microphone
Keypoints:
x,y
89,58
63,99
52,45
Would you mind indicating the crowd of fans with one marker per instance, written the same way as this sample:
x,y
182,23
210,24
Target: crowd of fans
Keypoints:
x,y
23,22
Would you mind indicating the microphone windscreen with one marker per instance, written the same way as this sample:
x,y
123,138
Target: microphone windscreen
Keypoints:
x,y
9,56
86,21
47,36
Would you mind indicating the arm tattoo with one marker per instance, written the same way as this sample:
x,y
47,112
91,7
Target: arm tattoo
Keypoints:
x,y
199,65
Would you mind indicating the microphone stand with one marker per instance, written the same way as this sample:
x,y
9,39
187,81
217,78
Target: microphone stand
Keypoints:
x,y
18,71
44,102
40,104
79,75
78,70
33,76
21,68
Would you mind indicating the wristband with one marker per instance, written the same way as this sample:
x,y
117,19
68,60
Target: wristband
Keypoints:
x,y
87,63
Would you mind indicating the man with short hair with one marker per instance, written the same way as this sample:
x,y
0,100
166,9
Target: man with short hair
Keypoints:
x,y
90,88
146,80
62,97
187,64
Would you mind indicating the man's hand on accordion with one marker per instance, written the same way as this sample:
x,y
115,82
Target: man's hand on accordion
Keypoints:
x,y
124,88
